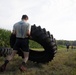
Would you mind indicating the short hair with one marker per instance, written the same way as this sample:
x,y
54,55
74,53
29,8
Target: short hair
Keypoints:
x,y
24,17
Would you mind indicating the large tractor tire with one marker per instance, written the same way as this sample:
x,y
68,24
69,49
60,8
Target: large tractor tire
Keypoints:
x,y
5,51
45,39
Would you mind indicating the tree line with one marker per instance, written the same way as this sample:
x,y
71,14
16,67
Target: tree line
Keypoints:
x,y
64,42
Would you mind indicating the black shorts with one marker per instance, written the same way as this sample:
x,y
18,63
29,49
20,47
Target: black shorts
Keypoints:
x,y
22,43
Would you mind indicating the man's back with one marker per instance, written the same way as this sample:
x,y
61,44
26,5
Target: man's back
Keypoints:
x,y
21,29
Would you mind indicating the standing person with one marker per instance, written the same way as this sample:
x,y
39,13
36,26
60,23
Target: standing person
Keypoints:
x,y
22,31
67,46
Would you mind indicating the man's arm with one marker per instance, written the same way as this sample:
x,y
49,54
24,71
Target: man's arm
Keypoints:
x,y
29,30
28,33
14,30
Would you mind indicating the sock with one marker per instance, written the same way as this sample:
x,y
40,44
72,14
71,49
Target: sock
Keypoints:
x,y
6,62
23,63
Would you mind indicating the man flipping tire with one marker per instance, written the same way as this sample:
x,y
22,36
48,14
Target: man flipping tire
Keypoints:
x,y
22,31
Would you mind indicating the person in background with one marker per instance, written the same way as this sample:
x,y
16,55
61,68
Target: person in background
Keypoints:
x,y
22,30
67,46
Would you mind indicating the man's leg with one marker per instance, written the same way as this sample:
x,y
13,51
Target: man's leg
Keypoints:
x,y
25,48
26,56
8,58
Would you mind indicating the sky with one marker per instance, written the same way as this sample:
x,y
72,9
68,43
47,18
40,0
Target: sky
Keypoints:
x,y
57,16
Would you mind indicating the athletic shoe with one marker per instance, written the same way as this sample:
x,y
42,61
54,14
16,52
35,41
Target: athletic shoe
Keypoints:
x,y
22,68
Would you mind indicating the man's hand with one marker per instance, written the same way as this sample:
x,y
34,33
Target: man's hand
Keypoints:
x,y
30,37
28,33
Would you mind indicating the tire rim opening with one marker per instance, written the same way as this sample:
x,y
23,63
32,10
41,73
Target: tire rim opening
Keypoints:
x,y
35,46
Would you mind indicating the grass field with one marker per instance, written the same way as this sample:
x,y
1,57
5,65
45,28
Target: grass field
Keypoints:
x,y
64,63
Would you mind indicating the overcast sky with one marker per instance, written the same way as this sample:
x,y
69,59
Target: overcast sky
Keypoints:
x,y
57,16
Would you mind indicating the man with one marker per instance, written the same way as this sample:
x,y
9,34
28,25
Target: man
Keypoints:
x,y
22,31
67,46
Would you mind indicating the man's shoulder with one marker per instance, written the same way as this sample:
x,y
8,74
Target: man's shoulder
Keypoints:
x,y
17,23
26,23
22,22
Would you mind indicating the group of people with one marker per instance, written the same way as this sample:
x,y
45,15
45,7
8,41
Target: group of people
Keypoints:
x,y
68,46
22,30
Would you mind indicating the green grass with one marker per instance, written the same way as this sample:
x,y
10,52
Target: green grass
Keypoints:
x,y
35,49
64,63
